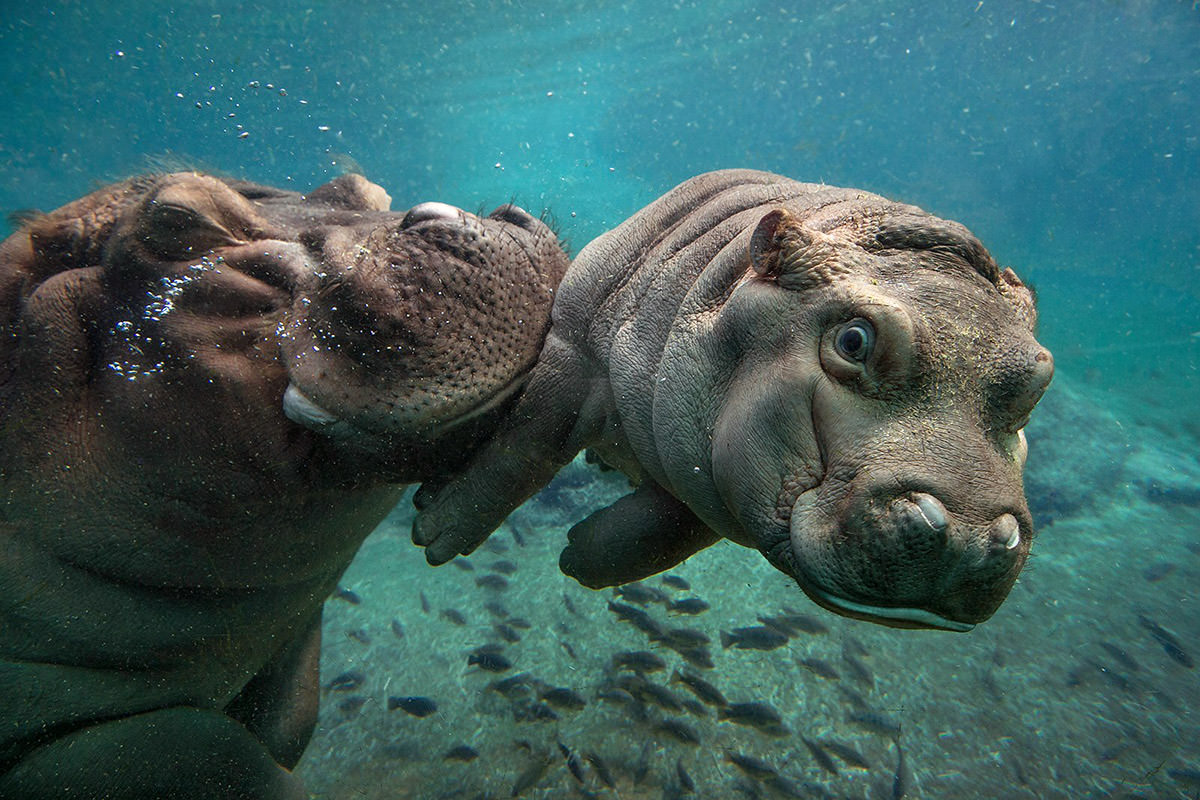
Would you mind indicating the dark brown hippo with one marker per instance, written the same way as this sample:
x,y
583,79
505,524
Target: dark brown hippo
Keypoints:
x,y
833,378
168,533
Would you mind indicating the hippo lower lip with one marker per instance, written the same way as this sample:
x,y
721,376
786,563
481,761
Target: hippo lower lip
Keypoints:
x,y
908,617
497,399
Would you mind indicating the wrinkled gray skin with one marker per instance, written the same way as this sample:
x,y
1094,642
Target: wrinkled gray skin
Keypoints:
x,y
210,393
832,378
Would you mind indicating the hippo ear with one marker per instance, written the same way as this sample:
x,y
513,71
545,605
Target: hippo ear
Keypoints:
x,y
765,243
1020,295
352,192
799,258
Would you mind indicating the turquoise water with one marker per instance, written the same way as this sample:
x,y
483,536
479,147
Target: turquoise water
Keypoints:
x,y
1067,136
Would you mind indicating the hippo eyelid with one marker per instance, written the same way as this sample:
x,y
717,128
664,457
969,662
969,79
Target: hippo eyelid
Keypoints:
x,y
185,218
423,212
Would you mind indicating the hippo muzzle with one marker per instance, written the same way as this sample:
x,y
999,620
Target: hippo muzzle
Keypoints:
x,y
422,321
896,555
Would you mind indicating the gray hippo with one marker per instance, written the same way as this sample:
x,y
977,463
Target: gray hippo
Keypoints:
x,y
210,393
835,379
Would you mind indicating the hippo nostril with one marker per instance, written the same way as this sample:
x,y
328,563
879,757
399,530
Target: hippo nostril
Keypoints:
x,y
918,521
1006,531
919,512
431,210
516,215
931,509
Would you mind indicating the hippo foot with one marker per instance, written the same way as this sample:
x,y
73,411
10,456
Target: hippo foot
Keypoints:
x,y
640,535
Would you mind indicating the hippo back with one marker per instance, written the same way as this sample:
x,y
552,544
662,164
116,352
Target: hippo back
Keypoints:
x,y
674,260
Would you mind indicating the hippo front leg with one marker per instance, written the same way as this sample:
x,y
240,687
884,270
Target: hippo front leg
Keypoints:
x,y
279,704
640,535
171,752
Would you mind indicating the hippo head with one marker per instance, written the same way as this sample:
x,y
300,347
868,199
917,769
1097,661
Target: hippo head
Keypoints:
x,y
397,332
417,324
867,427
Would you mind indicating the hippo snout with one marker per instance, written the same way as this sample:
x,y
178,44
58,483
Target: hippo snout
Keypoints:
x,y
903,558
418,328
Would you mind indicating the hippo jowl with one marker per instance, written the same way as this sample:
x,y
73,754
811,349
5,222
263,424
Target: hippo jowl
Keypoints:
x,y
835,379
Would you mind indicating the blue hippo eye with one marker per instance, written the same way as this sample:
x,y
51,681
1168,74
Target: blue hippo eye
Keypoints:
x,y
855,340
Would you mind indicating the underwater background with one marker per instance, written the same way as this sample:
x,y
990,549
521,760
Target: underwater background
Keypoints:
x,y
1065,135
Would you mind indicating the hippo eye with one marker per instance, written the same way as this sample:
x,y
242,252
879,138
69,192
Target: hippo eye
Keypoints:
x,y
856,340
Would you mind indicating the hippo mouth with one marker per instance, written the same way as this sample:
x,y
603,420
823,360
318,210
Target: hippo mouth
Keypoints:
x,y
303,410
894,617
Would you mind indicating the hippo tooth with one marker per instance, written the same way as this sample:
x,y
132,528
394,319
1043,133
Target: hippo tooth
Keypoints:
x,y
299,409
1017,446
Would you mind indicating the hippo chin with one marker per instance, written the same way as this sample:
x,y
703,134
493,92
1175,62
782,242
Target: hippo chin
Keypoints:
x,y
210,393
835,379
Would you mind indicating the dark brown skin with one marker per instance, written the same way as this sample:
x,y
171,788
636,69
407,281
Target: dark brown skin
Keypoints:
x,y
835,379
182,479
